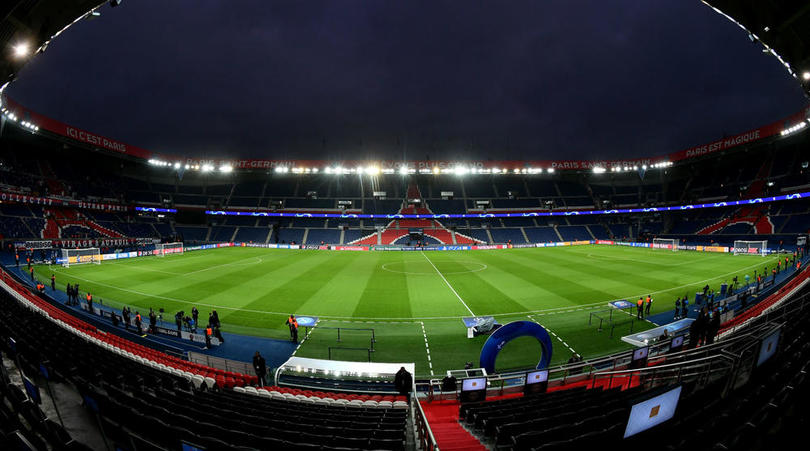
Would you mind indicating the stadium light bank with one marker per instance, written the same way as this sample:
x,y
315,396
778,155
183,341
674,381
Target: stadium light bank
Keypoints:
x,y
795,128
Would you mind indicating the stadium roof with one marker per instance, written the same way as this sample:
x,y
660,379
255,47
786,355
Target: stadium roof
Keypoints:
x,y
783,27
28,26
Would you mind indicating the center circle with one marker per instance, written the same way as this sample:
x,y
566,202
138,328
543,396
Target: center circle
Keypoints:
x,y
401,268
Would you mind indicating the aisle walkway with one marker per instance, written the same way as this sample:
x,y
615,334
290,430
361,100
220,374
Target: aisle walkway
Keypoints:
x,y
442,416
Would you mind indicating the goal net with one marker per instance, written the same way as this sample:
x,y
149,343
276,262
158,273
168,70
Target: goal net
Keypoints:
x,y
163,249
665,243
80,256
751,247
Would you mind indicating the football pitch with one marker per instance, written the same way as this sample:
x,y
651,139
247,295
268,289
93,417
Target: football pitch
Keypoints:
x,y
413,301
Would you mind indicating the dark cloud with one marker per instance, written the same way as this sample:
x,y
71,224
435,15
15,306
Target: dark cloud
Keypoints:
x,y
453,79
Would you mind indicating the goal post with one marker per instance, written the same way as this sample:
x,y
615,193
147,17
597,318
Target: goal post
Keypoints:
x,y
744,247
665,243
81,256
163,249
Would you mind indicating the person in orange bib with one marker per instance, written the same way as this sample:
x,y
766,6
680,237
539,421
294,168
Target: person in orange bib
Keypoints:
x,y
293,324
640,308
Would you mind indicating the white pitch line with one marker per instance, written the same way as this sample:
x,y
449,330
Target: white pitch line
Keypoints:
x,y
555,335
312,329
539,312
636,316
427,348
448,283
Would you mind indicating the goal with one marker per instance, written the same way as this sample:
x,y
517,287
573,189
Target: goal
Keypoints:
x,y
665,243
80,256
163,249
751,247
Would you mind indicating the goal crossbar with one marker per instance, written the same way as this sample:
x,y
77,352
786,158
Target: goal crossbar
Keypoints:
x,y
665,243
81,256
163,249
751,247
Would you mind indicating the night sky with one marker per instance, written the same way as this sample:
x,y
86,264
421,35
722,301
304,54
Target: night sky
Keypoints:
x,y
409,79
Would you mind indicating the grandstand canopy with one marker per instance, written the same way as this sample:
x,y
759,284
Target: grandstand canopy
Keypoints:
x,y
780,25
29,25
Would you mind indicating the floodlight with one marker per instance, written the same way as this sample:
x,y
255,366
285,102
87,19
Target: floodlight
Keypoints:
x,y
599,170
226,168
177,165
403,170
806,75
550,170
436,169
22,50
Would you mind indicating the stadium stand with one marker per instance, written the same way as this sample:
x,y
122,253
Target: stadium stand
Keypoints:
x,y
138,393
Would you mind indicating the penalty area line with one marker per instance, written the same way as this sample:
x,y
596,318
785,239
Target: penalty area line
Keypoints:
x,y
553,334
448,283
427,348
312,329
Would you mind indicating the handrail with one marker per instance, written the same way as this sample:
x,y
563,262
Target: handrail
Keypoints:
x,y
658,349
427,440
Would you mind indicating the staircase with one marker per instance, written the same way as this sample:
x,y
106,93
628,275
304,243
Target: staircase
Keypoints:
x,y
756,215
450,435
55,186
57,219
398,228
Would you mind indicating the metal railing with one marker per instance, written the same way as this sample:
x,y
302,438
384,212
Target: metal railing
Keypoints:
x,y
700,370
235,366
424,435
727,357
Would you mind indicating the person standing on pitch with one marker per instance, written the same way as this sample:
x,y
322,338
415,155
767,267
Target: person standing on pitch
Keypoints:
x,y
293,324
639,308
648,305
260,366
53,282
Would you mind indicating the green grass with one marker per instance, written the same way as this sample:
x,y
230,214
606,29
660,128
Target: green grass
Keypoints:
x,y
399,293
